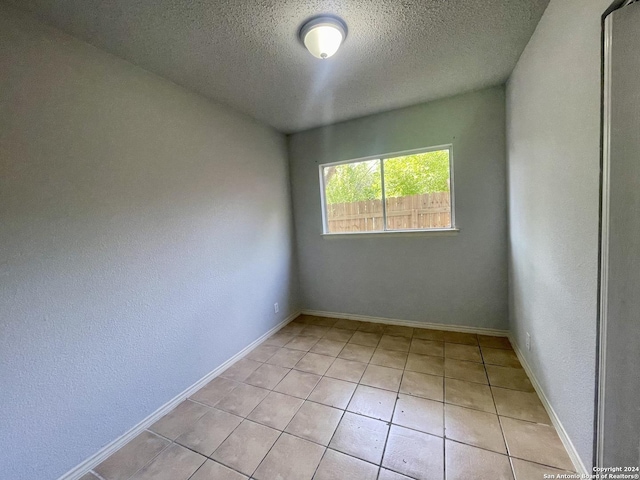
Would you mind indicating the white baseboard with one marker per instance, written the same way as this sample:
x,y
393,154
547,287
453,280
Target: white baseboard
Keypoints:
x,y
410,323
102,454
562,433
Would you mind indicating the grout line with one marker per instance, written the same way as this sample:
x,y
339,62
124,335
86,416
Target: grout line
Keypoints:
x,y
444,455
476,446
504,438
386,440
513,470
334,432
151,459
159,435
321,458
199,468
510,457
207,458
545,465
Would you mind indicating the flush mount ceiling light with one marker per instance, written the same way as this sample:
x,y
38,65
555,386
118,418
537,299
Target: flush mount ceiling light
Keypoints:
x,y
323,36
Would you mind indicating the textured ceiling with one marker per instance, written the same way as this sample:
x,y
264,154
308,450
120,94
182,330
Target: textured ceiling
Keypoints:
x,y
246,54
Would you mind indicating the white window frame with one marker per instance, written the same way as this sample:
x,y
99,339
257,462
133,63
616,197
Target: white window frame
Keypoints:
x,y
450,230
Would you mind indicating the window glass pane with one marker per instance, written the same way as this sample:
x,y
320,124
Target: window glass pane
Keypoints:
x,y
417,191
353,196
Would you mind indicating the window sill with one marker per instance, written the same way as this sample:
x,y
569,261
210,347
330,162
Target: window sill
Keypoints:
x,y
436,232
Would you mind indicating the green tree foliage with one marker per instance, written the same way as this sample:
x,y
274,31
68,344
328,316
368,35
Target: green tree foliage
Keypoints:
x,y
417,174
353,182
409,175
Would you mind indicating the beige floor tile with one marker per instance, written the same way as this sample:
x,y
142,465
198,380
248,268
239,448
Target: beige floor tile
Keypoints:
x,y
463,370
389,475
460,337
324,321
174,463
328,347
338,466
279,339
314,363
314,331
240,370
456,351
347,324
245,448
209,432
371,327
285,357
373,402
267,376
532,471
382,377
389,358
415,454
333,392
298,384
464,462
360,437
276,410
419,414
534,442
347,370
398,331
291,458
89,476
396,344
429,334
214,391
365,338
303,318
262,353
494,342
467,394
304,343
215,471
178,420
473,427
293,328
425,364
242,400
132,457
507,377
339,334
427,347
423,385
521,405
357,353
497,356
315,422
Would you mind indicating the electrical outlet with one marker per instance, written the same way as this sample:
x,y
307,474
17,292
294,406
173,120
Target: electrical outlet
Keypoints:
x,y
276,308
528,341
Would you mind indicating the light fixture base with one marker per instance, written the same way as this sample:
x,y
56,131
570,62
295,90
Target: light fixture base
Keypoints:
x,y
323,35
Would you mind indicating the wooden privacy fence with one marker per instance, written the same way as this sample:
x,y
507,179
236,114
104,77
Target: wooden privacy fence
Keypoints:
x,y
430,210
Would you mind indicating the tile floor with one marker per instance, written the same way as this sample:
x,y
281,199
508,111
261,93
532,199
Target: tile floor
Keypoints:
x,y
330,399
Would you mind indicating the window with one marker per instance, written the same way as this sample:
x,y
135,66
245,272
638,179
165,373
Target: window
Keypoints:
x,y
406,192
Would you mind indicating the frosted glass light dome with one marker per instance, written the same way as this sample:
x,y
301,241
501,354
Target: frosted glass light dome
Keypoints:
x,y
323,36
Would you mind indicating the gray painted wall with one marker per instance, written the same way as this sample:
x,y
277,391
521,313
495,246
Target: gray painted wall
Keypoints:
x,y
553,131
145,234
621,432
459,280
